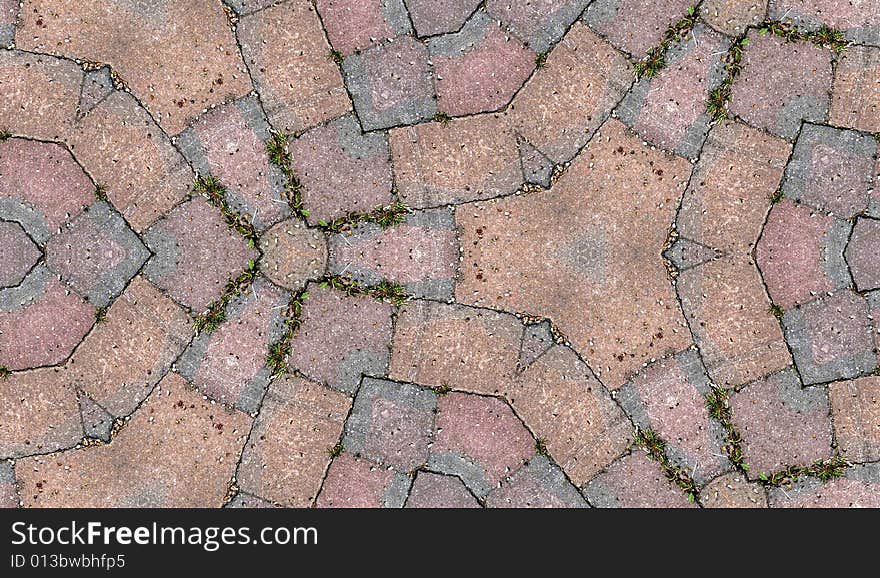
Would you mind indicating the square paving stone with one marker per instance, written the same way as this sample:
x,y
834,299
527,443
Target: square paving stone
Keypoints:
x,y
855,411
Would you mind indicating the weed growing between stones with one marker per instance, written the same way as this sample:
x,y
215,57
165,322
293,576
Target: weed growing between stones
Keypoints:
x,y
5,135
101,192
216,313
336,57
825,36
101,314
655,60
336,451
279,156
441,117
650,441
541,448
210,188
276,359
824,470
383,291
541,60
4,372
386,216
719,98
718,402
777,312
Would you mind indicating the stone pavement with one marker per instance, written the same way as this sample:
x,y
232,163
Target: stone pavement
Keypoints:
x,y
463,253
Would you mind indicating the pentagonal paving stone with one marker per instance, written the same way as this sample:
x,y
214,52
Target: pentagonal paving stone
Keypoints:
x,y
356,483
341,338
538,484
292,254
436,344
859,488
125,355
781,84
480,68
623,21
855,411
635,482
288,451
178,450
859,20
195,253
830,338
391,424
831,169
539,23
575,246
465,159
342,170
432,17
569,410
20,254
732,491
8,493
178,57
781,424
801,254
559,118
668,397
8,14
430,490
391,84
229,144
354,25
421,254
856,98
669,109
861,254
480,440
733,16
288,57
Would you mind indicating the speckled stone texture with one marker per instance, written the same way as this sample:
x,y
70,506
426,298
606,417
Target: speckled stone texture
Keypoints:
x,y
635,482
8,14
859,20
625,22
354,25
855,411
540,23
23,254
856,98
733,16
432,17
732,491
292,254
430,490
356,483
8,493
862,252
859,488
538,484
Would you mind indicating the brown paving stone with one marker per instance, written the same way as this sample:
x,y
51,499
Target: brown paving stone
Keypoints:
x,y
354,25
861,254
855,411
538,484
356,483
8,14
733,16
624,23
287,54
635,481
292,254
432,490
539,23
465,159
432,17
732,491
559,118
288,450
178,57
859,488
20,253
177,450
8,492
856,97
860,20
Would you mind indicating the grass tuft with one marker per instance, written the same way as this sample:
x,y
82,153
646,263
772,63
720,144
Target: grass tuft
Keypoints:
x,y
216,313
5,135
655,60
541,60
386,216
337,57
210,188
101,192
276,148
4,372
383,291
651,442
336,450
279,351
441,117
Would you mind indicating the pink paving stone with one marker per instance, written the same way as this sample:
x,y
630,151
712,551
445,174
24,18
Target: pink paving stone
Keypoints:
x,y
464,348
862,254
732,491
432,17
38,413
178,57
859,19
288,451
177,450
354,25
480,68
558,118
781,84
733,16
538,484
855,412
355,483
860,488
195,253
574,249
8,492
131,350
341,338
432,490
635,482
342,170
625,24
8,13
123,149
539,23
462,160
20,253
801,254
856,98
567,408
781,423
288,57
292,254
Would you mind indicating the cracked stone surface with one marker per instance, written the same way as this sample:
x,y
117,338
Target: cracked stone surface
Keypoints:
x,y
464,258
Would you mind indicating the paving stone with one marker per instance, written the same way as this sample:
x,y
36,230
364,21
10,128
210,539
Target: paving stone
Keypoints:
x,y
536,340
874,198
732,491
177,450
292,254
195,253
249,6
480,440
855,411
537,168
391,84
859,20
781,423
288,57
355,483
432,17
8,14
668,397
830,338
432,490
540,23
480,68
831,169
635,482
861,254
623,21
242,500
462,160
801,254
97,422
342,170
559,118
341,338
121,360
391,424
96,86
874,313
669,110
685,254
436,344
421,254
856,97
733,16
575,246
288,451
354,25
538,484
178,57
859,488
20,254
8,492
781,84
